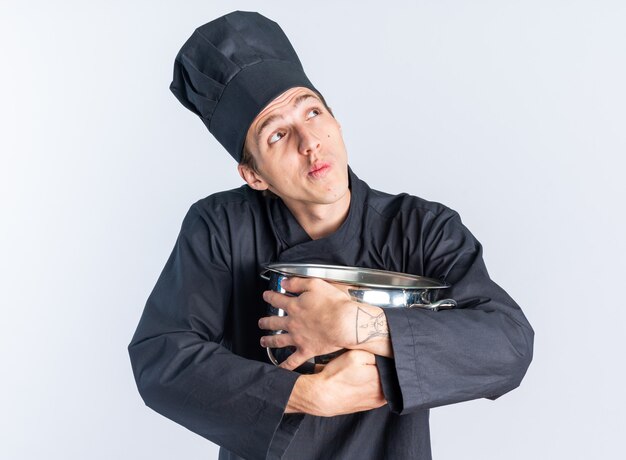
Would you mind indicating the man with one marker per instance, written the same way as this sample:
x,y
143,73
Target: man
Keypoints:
x,y
198,353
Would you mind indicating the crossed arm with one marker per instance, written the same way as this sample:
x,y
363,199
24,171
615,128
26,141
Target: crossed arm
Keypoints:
x,y
321,320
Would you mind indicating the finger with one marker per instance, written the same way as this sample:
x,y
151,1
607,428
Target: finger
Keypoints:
x,y
276,341
361,357
299,285
277,300
295,360
274,323
365,357
342,287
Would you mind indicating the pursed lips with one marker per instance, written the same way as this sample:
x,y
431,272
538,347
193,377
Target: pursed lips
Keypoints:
x,y
319,169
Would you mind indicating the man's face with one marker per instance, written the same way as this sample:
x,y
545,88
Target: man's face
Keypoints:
x,y
298,150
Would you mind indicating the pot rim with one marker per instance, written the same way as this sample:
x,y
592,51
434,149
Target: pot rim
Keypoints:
x,y
355,276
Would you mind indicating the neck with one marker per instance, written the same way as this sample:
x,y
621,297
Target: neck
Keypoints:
x,y
321,220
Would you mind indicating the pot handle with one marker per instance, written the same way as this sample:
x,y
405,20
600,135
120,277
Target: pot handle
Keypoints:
x,y
271,356
443,304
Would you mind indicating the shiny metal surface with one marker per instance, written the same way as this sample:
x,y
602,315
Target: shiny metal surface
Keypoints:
x,y
356,276
409,298
377,287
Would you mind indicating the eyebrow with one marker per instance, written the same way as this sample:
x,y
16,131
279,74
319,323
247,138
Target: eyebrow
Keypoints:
x,y
299,100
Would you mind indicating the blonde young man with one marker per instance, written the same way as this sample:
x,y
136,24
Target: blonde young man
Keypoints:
x,y
198,353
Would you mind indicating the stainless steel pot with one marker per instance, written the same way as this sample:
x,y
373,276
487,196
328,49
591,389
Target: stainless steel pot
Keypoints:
x,y
379,288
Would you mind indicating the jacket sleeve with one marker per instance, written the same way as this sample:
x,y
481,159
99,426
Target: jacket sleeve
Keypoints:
x,y
481,349
181,368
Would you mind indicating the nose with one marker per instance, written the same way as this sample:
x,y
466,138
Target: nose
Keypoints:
x,y
308,142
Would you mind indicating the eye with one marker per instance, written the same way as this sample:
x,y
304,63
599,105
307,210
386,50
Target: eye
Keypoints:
x,y
312,113
276,137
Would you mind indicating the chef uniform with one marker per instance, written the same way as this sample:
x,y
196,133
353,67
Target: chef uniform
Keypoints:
x,y
196,355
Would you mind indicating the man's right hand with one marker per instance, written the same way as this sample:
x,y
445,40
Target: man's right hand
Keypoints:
x,y
349,383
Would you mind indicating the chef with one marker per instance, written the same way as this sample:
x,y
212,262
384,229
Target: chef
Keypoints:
x,y
198,353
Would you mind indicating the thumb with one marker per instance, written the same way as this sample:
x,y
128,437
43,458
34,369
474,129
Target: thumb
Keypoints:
x,y
297,285
293,361
363,357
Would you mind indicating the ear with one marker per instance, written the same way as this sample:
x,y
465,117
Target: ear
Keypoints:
x,y
252,178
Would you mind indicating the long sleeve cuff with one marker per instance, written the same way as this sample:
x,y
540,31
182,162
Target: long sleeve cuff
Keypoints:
x,y
405,390
289,423
389,380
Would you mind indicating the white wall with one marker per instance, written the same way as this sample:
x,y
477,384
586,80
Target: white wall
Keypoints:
x,y
512,113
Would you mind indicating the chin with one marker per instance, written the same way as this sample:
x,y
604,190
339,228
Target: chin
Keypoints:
x,y
337,194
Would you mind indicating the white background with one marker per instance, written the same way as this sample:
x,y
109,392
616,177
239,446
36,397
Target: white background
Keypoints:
x,y
512,113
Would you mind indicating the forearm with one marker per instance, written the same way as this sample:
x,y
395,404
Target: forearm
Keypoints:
x,y
195,383
463,354
303,396
371,332
349,383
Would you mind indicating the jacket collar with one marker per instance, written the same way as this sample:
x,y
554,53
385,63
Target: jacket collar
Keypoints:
x,y
296,244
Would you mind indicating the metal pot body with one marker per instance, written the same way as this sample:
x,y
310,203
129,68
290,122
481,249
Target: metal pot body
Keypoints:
x,y
389,297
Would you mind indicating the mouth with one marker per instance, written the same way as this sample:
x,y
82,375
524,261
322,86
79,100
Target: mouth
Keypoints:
x,y
319,170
